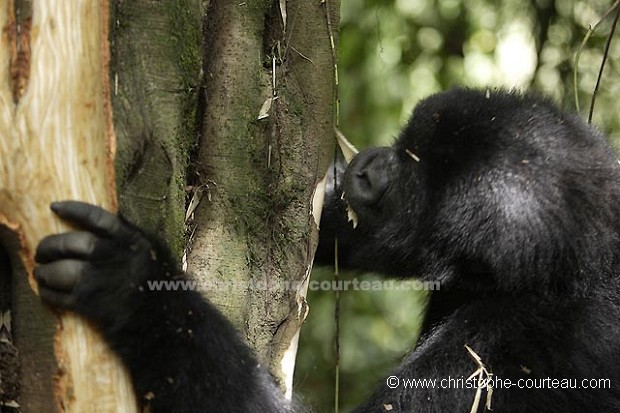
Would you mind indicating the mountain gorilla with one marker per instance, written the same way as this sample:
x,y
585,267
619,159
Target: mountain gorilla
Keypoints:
x,y
510,203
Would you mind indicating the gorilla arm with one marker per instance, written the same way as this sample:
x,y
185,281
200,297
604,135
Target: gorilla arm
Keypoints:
x,y
183,355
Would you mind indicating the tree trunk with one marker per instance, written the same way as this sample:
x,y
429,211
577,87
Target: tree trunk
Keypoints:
x,y
156,73
256,235
57,142
256,226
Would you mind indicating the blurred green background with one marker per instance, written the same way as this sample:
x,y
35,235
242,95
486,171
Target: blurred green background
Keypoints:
x,y
392,53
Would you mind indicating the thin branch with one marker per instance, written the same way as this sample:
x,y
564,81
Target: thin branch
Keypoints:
x,y
605,56
589,33
332,44
337,329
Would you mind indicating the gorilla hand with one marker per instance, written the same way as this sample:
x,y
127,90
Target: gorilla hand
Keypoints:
x,y
183,355
96,271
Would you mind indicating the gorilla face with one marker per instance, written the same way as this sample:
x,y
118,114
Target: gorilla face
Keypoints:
x,y
384,198
482,185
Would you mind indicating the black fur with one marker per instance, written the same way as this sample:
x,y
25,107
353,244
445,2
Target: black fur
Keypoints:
x,y
183,355
510,203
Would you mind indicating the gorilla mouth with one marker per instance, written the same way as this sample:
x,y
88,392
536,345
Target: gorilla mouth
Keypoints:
x,y
366,181
349,151
351,214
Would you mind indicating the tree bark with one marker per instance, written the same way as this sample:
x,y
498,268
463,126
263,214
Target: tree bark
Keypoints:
x,y
256,236
57,142
256,227
156,73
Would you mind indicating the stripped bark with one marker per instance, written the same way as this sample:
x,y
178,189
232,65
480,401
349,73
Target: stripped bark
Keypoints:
x,y
56,142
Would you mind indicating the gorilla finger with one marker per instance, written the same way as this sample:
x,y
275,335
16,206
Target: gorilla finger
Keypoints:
x,y
92,218
61,275
57,298
77,244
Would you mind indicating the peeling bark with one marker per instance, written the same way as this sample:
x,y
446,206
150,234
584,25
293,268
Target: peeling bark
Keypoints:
x,y
56,142
257,235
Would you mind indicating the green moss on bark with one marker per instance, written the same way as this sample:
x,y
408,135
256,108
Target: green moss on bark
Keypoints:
x,y
156,73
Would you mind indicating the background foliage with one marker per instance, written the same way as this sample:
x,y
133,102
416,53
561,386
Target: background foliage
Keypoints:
x,y
392,54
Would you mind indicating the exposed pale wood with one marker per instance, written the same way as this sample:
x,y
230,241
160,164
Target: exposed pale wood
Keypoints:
x,y
57,143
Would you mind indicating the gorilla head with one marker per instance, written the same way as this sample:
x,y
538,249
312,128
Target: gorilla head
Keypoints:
x,y
489,190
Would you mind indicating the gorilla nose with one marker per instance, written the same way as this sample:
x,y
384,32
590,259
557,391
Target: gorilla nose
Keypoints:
x,y
368,176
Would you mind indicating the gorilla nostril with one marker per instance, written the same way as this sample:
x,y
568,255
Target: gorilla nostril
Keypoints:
x,y
368,176
364,180
364,183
